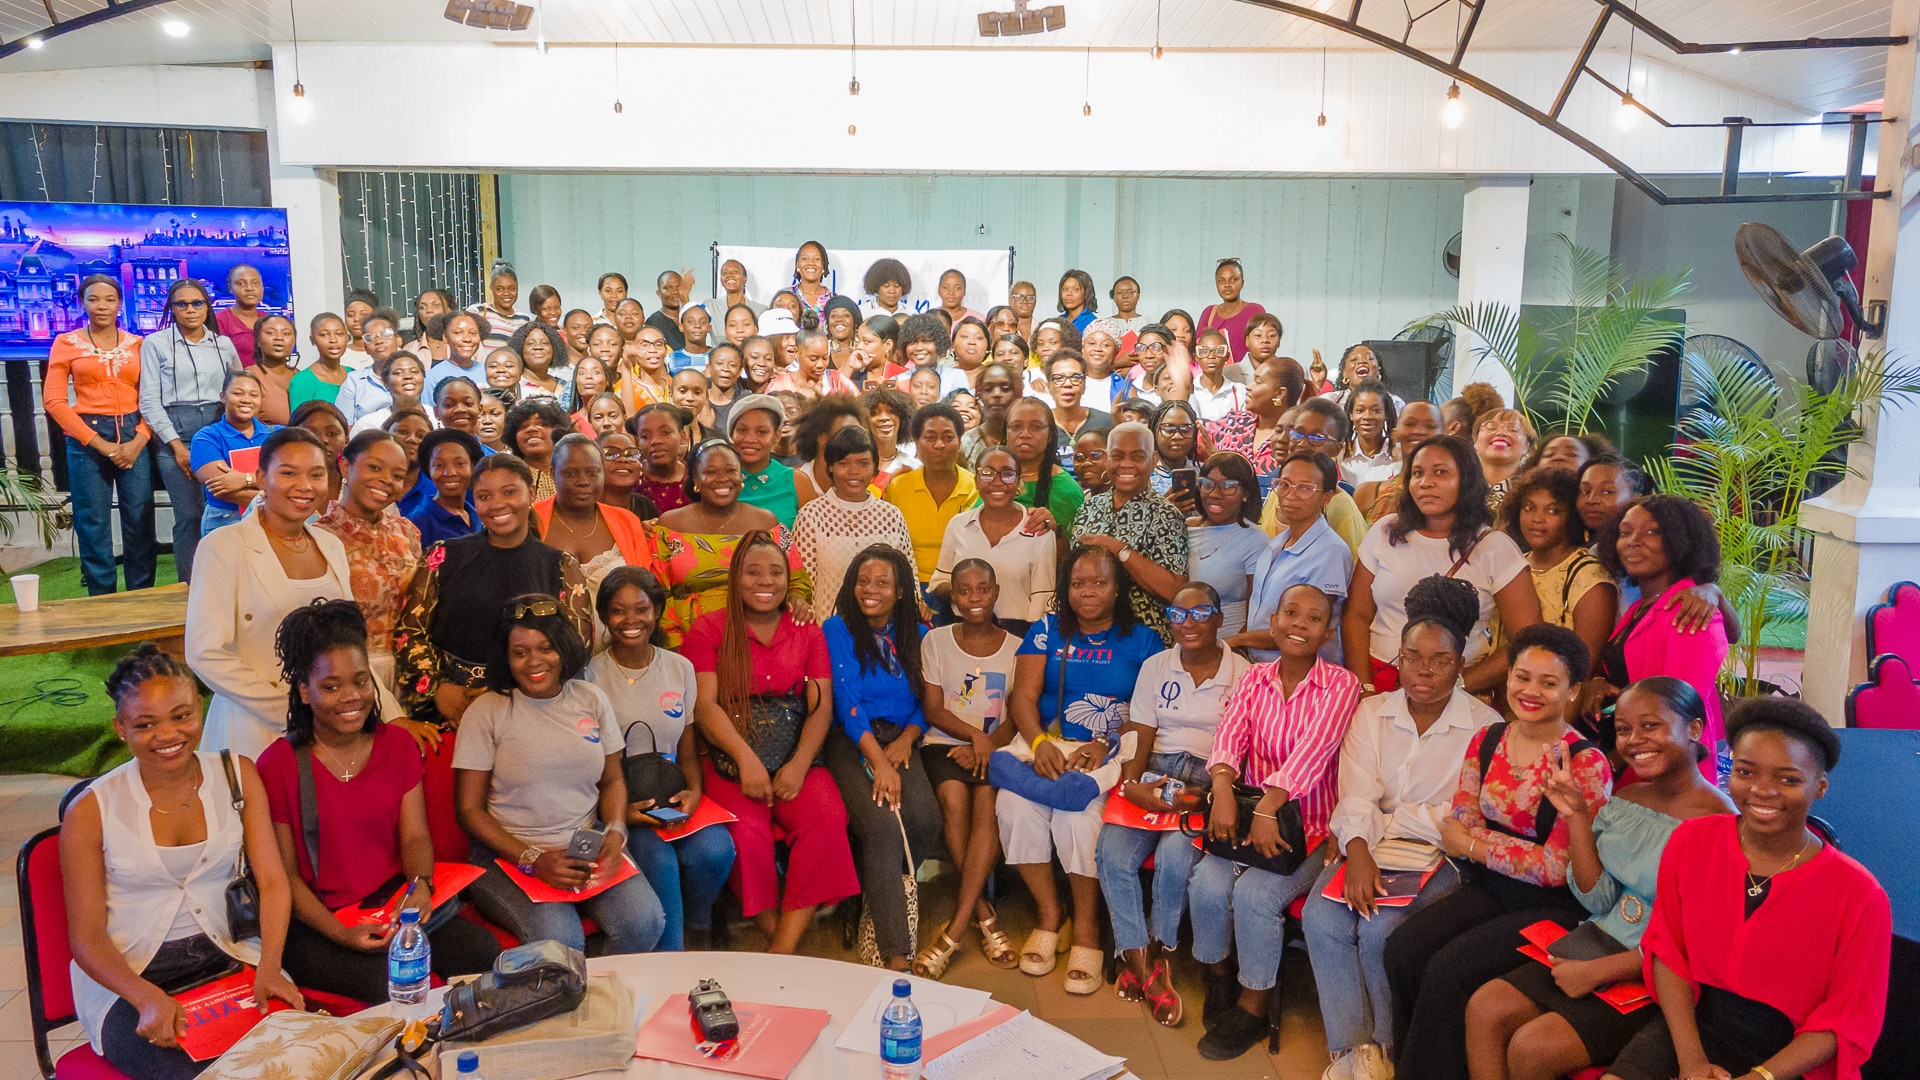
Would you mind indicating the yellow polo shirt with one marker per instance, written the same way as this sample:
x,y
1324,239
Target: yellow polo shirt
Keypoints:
x,y
926,519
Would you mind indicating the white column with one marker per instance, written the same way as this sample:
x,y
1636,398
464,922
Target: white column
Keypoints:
x,y
311,198
1493,264
1867,529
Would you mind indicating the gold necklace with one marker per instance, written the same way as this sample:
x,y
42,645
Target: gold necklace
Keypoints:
x,y
1755,886
352,760
622,669
560,519
198,778
300,544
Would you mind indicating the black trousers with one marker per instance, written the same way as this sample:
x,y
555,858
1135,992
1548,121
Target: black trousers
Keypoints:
x,y
316,962
179,964
879,855
1446,950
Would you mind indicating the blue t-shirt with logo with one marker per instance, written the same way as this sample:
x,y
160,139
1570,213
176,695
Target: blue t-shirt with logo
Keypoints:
x,y
217,442
1100,672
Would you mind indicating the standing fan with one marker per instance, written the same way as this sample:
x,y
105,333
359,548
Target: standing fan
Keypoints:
x,y
1731,351
1808,289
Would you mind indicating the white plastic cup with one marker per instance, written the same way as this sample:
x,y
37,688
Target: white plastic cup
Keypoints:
x,y
26,591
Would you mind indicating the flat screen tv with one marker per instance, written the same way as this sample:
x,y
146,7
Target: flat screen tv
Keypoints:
x,y
47,249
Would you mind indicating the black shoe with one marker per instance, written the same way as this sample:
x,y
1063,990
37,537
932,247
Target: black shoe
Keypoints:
x,y
1223,996
1237,1032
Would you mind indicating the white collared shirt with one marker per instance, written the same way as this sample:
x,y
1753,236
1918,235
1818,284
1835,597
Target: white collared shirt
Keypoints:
x,y
1216,404
1358,467
1023,564
1186,716
1396,782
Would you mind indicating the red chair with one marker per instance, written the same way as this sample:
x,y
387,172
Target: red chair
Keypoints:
x,y
1893,626
1889,699
43,918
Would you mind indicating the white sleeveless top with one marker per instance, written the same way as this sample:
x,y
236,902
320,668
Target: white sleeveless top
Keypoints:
x,y
144,898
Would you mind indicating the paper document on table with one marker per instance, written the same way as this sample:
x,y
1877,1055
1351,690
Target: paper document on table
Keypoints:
x,y
941,1007
1024,1048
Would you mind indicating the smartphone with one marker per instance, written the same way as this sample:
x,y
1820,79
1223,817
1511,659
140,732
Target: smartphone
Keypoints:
x,y
668,815
1187,480
585,844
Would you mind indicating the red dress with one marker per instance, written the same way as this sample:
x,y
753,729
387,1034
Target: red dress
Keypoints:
x,y
1816,948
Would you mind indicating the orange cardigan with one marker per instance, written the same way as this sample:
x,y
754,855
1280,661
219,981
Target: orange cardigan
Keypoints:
x,y
104,384
638,542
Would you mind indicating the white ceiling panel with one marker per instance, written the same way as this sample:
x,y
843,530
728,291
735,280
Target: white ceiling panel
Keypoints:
x,y
232,31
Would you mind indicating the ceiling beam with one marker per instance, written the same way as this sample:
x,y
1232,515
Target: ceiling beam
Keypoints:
x,y
114,9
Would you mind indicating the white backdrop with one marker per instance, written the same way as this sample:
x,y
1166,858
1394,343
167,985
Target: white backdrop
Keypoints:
x,y
770,269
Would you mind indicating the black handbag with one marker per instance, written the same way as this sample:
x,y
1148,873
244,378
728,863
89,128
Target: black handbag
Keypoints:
x,y
1293,830
243,893
651,775
773,730
528,983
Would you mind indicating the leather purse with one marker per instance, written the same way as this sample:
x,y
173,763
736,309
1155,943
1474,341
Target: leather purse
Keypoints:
x,y
528,983
243,893
773,730
651,775
1293,831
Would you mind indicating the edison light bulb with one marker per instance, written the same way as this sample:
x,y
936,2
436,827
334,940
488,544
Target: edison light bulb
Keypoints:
x,y
1454,111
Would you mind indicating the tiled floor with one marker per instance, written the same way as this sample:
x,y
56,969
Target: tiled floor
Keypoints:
x,y
28,804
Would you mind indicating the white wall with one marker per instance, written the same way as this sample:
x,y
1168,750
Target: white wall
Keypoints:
x,y
176,96
1336,259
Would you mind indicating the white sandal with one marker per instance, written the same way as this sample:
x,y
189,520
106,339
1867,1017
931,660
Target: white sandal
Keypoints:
x,y
1090,963
1040,943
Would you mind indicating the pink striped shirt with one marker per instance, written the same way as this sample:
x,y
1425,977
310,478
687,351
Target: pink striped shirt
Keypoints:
x,y
1290,743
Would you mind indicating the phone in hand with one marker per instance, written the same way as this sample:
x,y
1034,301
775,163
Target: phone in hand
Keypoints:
x,y
1187,480
585,844
667,815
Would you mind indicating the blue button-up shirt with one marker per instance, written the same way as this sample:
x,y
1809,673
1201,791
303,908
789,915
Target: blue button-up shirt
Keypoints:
x,y
175,371
1321,559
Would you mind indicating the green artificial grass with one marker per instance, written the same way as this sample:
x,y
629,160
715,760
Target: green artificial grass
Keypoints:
x,y
55,716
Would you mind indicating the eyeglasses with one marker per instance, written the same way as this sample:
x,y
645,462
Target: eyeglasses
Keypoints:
x,y
1434,664
622,454
1203,352
1303,488
1004,476
1151,347
516,612
1091,455
1314,441
1209,485
1180,615
1176,430
189,305
1068,379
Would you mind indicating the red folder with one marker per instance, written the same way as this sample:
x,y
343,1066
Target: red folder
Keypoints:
x,y
219,1013
448,880
246,459
542,893
708,812
772,1040
1396,882
1625,997
1121,811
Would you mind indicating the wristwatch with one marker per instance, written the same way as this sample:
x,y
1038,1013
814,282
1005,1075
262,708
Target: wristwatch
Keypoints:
x,y
528,858
1126,553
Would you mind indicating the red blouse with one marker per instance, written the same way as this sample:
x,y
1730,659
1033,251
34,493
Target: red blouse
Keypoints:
x,y
1816,948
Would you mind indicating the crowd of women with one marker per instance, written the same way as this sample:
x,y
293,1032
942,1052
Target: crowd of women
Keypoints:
x,y
1074,593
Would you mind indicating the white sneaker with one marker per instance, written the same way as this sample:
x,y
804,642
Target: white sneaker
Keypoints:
x,y
1372,1063
1343,1066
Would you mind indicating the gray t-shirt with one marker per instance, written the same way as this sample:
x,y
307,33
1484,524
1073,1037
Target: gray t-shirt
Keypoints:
x,y
661,694
546,756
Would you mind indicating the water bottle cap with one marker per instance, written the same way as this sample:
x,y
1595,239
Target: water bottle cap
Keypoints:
x,y
902,988
409,915
469,1061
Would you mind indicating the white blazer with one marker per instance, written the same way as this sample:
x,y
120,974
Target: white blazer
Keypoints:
x,y
237,597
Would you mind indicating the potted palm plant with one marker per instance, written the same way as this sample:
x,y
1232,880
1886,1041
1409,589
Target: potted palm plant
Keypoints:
x,y
26,495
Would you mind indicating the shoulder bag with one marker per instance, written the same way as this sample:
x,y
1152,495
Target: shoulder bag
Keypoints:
x,y
653,775
773,730
243,893
1293,830
528,983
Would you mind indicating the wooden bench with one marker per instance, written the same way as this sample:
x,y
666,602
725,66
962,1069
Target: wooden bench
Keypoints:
x,y
89,622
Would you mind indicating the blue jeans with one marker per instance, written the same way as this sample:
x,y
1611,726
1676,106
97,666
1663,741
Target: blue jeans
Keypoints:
x,y
93,480
1349,960
686,874
187,496
217,517
1123,851
629,913
1235,903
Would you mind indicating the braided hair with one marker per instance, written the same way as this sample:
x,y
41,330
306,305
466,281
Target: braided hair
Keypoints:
x,y
904,627
1449,603
137,668
304,636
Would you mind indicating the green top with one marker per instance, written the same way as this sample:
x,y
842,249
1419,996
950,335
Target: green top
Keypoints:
x,y
1063,499
771,489
306,386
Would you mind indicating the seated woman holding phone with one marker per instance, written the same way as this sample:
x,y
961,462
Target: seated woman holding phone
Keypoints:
x,y
158,923
348,783
538,785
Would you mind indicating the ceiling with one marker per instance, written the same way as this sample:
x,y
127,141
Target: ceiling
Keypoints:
x,y
229,31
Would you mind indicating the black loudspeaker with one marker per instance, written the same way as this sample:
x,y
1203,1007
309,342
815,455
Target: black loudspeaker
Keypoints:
x,y
1409,367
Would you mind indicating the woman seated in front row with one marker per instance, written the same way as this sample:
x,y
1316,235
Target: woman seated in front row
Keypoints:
x,y
157,922
1399,767
537,762
1281,733
1539,1022
1768,949
368,814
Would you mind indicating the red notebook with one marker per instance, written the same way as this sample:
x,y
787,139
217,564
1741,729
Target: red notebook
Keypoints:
x,y
1121,811
1625,997
773,1039
246,459
542,893
448,880
708,812
1401,887
219,1013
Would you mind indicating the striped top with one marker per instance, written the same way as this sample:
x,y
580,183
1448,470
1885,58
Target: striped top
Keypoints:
x,y
1290,743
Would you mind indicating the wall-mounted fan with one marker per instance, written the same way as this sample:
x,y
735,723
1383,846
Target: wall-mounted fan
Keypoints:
x,y
1808,289
1450,257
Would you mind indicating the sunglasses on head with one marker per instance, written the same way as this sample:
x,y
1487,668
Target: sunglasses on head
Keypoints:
x,y
1180,615
518,611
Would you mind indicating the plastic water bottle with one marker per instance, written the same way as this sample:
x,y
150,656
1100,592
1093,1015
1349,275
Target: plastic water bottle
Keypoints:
x,y
469,1065
409,962
900,1035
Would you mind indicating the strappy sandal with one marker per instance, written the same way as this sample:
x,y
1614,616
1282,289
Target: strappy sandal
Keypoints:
x,y
1085,966
1128,986
1168,1010
995,945
1038,955
933,960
